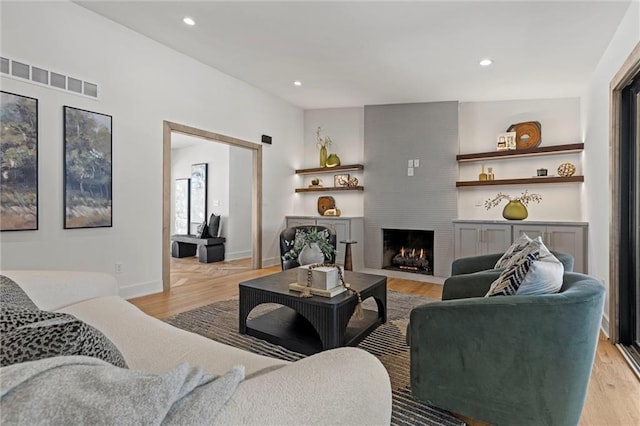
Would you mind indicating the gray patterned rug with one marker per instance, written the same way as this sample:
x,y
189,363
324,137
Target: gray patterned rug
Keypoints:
x,y
219,321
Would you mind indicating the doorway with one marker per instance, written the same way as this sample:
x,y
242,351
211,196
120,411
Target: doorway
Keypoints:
x,y
170,128
625,214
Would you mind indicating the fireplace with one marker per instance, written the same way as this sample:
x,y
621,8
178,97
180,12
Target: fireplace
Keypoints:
x,y
408,250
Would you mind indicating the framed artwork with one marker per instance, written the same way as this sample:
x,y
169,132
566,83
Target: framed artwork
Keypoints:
x,y
341,180
87,169
198,196
18,162
181,208
506,141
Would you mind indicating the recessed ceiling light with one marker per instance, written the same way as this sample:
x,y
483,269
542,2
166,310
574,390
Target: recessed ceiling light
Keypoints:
x,y
486,62
297,83
189,21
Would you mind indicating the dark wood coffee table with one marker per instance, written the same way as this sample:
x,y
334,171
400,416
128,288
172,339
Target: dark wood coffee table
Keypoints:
x,y
313,324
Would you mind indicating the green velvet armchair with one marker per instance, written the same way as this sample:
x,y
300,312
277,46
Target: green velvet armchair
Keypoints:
x,y
472,276
508,360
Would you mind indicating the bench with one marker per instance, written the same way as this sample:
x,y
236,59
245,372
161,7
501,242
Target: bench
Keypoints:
x,y
208,249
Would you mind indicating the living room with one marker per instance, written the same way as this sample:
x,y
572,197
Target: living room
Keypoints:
x,y
142,83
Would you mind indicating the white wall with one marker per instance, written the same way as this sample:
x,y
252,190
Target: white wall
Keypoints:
x,y
480,124
345,127
142,83
238,243
596,131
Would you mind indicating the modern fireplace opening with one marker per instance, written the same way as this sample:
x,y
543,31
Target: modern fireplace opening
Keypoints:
x,y
408,250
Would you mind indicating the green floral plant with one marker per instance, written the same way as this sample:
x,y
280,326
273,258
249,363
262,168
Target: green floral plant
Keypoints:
x,y
305,238
525,198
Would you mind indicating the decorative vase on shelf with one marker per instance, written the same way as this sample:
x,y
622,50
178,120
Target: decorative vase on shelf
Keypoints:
x,y
333,160
515,210
483,175
310,253
323,156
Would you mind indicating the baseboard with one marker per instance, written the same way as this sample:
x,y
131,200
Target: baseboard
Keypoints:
x,y
140,289
237,255
605,325
270,261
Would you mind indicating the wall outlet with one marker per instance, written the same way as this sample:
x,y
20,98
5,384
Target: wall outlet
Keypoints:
x,y
410,171
118,268
416,163
410,163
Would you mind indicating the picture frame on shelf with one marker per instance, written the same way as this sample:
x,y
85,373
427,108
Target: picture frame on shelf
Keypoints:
x,y
19,169
506,141
88,169
341,180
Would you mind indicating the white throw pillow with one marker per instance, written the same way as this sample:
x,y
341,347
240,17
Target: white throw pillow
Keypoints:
x,y
536,271
513,253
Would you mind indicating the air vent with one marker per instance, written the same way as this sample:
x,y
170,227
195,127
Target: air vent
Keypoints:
x,y
22,71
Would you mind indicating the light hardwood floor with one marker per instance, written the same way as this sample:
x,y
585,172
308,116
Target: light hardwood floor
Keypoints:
x,y
613,397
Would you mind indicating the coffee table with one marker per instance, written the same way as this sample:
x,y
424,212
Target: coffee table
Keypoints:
x,y
311,324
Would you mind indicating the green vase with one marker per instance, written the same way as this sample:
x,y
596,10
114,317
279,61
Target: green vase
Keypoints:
x,y
323,156
515,210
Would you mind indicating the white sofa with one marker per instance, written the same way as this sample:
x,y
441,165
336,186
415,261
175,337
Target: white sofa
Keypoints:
x,y
340,386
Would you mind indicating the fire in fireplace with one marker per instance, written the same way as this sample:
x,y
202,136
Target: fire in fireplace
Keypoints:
x,y
409,250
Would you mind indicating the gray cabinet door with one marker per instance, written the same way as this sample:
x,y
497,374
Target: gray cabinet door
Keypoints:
x,y
566,239
569,239
495,238
299,221
343,232
467,239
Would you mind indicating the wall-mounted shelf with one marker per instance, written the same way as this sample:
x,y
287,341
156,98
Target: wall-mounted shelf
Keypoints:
x,y
346,168
535,180
534,152
330,188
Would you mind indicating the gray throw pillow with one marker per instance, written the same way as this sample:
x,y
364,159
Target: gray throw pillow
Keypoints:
x,y
12,294
214,225
30,334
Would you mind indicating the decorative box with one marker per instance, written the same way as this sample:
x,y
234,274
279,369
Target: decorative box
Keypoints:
x,y
323,277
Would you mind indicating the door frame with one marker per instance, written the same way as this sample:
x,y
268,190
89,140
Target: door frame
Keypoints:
x,y
256,191
623,77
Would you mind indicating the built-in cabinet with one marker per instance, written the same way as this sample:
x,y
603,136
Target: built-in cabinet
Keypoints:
x,y
346,229
472,239
475,237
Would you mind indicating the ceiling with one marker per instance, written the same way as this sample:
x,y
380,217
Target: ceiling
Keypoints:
x,y
349,53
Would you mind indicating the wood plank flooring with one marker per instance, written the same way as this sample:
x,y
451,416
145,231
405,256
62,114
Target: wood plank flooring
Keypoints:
x,y
613,398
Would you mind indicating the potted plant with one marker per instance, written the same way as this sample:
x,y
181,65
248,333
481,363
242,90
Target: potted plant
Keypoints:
x,y
309,246
516,207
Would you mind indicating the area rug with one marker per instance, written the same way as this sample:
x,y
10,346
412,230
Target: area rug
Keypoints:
x,y
219,321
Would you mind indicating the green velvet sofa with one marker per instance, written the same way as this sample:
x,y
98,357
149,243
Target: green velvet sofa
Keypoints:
x,y
510,360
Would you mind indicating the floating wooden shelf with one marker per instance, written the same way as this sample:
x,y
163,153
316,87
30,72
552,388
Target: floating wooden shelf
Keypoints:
x,y
331,188
535,180
346,168
534,152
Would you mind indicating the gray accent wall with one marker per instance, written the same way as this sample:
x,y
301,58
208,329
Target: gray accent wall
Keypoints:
x,y
394,134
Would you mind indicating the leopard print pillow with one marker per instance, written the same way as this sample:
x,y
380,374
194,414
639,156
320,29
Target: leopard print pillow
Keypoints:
x,y
29,335
12,294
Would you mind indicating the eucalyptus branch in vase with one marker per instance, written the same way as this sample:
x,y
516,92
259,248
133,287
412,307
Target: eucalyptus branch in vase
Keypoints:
x,y
516,207
322,143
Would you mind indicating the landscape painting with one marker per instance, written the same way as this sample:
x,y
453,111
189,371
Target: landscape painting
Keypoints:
x,y
87,169
181,222
18,162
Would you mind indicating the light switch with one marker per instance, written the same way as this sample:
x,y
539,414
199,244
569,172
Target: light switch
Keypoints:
x,y
410,171
410,164
416,163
